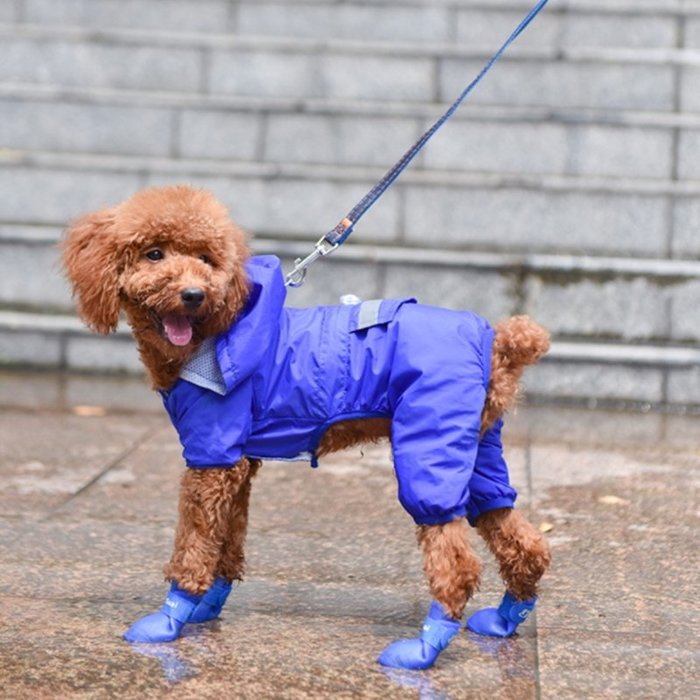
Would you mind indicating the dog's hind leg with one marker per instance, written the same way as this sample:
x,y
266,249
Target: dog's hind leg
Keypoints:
x,y
451,566
523,557
453,572
207,497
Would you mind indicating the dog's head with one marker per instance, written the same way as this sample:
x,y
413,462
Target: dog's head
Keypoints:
x,y
170,257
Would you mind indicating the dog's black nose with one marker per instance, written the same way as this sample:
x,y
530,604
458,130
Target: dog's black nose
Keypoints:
x,y
192,297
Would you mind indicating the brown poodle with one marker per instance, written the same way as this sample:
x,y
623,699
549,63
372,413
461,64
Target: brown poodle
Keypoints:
x,y
178,267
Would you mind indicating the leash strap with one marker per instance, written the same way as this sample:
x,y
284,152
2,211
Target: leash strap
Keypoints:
x,y
339,233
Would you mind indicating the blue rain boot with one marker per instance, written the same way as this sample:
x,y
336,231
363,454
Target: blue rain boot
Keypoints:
x,y
501,621
166,624
422,652
209,608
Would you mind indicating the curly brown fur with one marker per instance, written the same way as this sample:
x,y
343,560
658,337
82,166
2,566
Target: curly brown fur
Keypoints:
x,y
350,433
109,258
520,550
105,257
452,568
231,565
211,502
518,342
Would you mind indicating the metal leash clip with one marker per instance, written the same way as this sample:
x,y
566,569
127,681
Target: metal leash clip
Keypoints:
x,y
298,274
324,246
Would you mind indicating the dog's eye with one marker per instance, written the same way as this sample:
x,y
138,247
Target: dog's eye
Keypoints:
x,y
155,255
206,259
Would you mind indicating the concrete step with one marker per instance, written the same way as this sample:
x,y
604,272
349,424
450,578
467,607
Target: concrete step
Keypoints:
x,y
507,140
604,374
617,299
562,23
59,342
425,208
581,147
638,79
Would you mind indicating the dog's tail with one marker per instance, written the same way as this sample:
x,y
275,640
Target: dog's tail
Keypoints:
x,y
519,342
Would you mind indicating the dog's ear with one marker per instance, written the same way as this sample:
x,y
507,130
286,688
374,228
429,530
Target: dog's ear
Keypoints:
x,y
238,291
239,288
90,258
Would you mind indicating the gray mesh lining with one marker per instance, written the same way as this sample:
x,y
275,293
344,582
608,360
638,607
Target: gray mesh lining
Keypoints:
x,y
203,369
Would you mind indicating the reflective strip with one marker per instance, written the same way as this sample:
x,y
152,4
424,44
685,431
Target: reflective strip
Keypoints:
x,y
369,313
178,607
301,457
438,633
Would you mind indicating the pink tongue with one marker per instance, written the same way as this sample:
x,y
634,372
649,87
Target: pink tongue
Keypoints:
x,y
177,329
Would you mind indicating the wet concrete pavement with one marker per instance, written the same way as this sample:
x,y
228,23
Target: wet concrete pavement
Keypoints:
x,y
89,473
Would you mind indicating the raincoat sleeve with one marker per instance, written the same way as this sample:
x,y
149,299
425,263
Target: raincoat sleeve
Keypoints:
x,y
490,484
435,447
437,392
213,429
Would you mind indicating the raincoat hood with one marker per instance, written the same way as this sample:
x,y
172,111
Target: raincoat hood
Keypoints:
x,y
258,324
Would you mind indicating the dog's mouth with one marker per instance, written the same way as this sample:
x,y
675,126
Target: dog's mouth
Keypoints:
x,y
177,328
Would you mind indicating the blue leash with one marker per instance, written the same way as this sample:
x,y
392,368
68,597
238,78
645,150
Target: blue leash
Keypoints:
x,y
337,235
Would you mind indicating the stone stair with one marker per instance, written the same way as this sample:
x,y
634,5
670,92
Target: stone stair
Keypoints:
x,y
566,187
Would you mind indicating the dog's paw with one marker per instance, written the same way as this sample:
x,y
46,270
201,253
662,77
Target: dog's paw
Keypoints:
x,y
422,652
409,654
166,624
209,608
153,629
489,623
501,621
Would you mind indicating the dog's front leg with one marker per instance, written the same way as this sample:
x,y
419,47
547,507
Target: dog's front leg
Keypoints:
x,y
207,498
453,572
231,564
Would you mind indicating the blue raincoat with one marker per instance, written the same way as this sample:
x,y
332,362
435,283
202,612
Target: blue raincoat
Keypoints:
x,y
279,377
